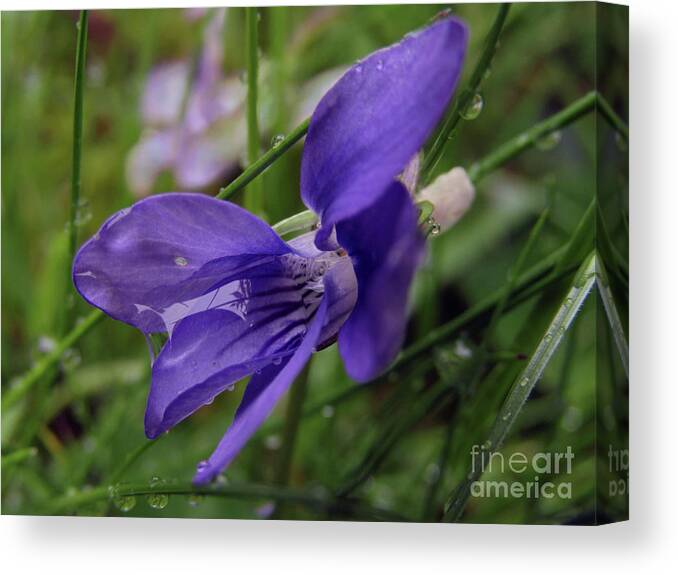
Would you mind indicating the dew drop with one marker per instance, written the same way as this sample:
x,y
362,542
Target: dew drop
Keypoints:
x,y
83,212
221,479
380,65
273,442
157,500
124,503
487,445
328,411
276,360
475,106
277,140
506,416
70,359
181,261
202,466
358,69
195,499
549,141
524,381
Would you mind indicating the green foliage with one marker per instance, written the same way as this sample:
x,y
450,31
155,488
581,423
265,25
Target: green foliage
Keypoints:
x,y
72,437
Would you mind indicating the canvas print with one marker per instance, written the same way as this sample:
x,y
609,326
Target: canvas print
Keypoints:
x,y
359,263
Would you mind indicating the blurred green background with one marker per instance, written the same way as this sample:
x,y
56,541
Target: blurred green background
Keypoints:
x,y
84,420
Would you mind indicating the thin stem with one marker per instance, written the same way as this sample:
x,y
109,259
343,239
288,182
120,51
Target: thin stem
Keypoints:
x,y
18,456
131,459
462,102
530,137
525,382
258,167
611,116
18,390
295,405
531,282
513,276
319,501
80,58
254,200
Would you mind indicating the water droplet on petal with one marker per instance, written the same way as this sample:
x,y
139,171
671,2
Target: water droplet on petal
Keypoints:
x,y
549,141
202,466
181,261
475,106
380,65
358,69
277,140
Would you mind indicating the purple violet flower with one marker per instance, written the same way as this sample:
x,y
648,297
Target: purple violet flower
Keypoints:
x,y
235,299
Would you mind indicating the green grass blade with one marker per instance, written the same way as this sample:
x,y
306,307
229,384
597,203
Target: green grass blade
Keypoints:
x,y
527,379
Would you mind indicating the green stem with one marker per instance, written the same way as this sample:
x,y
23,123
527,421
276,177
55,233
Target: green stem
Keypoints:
x,y
295,405
18,390
254,200
18,456
525,382
131,459
319,501
259,166
462,102
530,137
610,115
80,58
513,276
530,283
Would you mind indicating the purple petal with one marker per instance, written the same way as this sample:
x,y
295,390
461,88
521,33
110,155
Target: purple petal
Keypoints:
x,y
258,321
262,393
164,93
240,326
375,118
144,257
153,154
386,247
207,155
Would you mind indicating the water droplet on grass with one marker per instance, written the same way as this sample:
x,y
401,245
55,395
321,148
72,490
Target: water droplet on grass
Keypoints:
x,y
195,499
277,140
549,141
328,411
475,106
157,500
124,503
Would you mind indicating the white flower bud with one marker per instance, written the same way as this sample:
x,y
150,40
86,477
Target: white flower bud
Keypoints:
x,y
451,194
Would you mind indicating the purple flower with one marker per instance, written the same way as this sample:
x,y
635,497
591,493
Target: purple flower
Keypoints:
x,y
195,123
235,299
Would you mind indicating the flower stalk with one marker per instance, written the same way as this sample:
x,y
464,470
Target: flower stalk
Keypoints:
x,y
254,200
